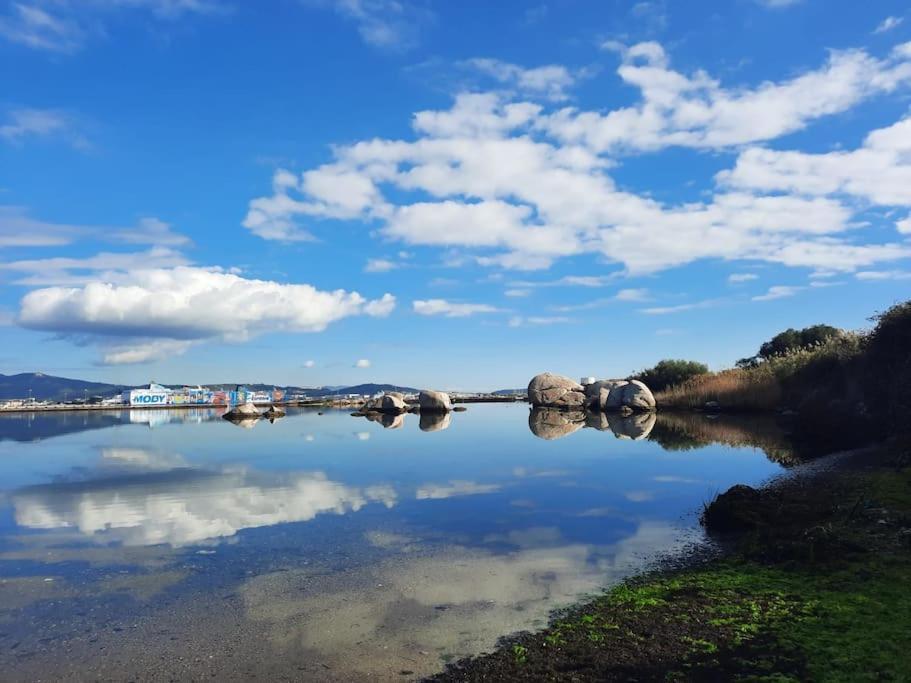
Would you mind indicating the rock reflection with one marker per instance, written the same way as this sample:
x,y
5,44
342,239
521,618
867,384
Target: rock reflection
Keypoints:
x,y
435,422
388,421
551,423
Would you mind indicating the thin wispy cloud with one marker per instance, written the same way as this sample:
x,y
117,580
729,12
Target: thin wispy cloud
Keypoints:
x,y
736,278
449,309
888,24
680,308
778,292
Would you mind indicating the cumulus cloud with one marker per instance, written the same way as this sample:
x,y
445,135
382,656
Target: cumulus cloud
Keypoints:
x,y
362,363
189,304
450,309
519,187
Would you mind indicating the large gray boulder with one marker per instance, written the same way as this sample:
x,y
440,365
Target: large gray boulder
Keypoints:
x,y
551,423
613,399
637,396
555,391
391,403
244,411
435,402
597,392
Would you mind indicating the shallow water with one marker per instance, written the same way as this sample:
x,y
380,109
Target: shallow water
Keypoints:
x,y
174,544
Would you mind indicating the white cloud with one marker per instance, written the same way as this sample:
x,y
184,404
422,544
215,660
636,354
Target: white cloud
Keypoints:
x,y
362,363
22,124
521,321
186,304
18,229
146,351
883,275
888,24
742,277
779,3
378,265
309,363
632,295
679,308
904,226
696,111
550,82
387,24
878,172
517,293
109,266
520,187
450,309
64,27
778,292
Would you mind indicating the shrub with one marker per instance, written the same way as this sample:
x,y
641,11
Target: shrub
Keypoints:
x,y
887,379
668,373
792,340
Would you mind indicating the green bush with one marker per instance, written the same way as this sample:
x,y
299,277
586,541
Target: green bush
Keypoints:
x,y
888,367
668,373
792,340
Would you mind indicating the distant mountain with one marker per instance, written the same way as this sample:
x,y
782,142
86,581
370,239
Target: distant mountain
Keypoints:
x,y
48,388
368,389
509,392
43,387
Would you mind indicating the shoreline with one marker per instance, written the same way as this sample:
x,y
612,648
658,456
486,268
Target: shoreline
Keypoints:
x,y
756,603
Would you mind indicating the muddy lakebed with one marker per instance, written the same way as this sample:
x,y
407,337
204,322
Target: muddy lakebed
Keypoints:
x,y
173,544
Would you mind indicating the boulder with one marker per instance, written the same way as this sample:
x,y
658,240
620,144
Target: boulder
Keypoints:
x,y
434,422
244,411
434,402
391,403
551,423
598,391
555,391
613,400
274,412
637,396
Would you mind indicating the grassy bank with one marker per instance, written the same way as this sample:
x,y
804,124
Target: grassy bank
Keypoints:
x,y
816,589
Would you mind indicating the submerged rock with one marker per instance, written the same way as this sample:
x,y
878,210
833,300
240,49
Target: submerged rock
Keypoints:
x,y
434,402
555,391
434,422
550,423
274,412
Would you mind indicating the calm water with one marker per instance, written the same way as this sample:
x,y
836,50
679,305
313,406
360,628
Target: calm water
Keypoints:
x,y
174,544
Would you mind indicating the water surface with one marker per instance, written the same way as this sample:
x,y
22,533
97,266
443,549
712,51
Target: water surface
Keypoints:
x,y
174,544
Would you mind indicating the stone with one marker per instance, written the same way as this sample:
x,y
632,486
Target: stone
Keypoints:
x,y
434,401
614,398
637,396
274,412
245,411
391,403
598,391
434,422
552,423
555,391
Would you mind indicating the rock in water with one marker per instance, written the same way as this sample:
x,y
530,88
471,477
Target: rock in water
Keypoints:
x,y
435,402
434,422
392,403
245,411
597,392
550,424
637,396
388,420
613,400
555,391
274,412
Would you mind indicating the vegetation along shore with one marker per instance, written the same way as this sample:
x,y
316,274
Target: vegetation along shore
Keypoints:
x,y
807,577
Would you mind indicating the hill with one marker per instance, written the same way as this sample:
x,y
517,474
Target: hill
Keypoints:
x,y
43,387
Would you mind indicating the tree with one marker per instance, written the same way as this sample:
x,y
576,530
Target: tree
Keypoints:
x,y
670,372
791,340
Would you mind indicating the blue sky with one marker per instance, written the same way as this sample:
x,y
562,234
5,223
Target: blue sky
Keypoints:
x,y
457,195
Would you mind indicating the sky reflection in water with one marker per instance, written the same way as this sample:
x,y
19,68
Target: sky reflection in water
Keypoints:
x,y
417,539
